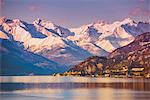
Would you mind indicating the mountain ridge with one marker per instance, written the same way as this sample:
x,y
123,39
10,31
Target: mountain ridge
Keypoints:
x,y
66,46
123,61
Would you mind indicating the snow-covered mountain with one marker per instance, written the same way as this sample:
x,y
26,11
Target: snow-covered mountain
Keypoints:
x,y
70,46
108,37
135,54
16,61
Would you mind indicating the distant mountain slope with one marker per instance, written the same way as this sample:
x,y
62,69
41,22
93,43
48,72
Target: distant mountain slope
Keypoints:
x,y
135,54
70,46
91,65
139,43
16,61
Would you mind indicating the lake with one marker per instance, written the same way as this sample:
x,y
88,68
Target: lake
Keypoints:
x,y
73,88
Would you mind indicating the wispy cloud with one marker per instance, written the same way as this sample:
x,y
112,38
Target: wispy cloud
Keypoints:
x,y
34,8
1,2
141,0
139,11
1,7
62,21
146,12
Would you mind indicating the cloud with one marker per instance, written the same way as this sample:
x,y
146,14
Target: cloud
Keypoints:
x,y
139,12
146,12
141,0
135,11
62,21
34,8
2,2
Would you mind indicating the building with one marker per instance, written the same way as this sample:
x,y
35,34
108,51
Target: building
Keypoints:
x,y
137,71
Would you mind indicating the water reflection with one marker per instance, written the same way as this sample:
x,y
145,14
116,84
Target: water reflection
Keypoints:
x,y
89,89
76,94
140,86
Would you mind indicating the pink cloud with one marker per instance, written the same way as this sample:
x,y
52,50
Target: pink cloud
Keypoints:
x,y
146,12
34,8
1,2
135,11
139,11
141,0
62,21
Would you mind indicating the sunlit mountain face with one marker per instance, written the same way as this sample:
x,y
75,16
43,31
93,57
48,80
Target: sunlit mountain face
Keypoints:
x,y
135,55
50,48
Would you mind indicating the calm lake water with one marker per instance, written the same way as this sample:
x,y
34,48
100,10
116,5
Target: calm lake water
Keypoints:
x,y
73,88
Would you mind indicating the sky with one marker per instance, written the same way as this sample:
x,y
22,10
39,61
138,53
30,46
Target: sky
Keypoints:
x,y
74,13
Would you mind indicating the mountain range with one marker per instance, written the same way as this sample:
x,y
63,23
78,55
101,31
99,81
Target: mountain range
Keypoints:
x,y
51,48
134,55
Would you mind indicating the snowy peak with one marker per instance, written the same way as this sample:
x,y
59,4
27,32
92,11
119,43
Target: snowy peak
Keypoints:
x,y
51,27
3,35
127,20
10,22
2,20
103,27
44,23
66,46
109,36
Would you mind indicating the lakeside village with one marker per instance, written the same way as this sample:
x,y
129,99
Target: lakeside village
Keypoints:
x,y
135,72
